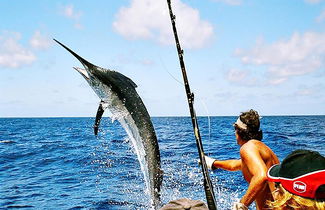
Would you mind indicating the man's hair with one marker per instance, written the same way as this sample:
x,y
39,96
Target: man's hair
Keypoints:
x,y
287,200
252,120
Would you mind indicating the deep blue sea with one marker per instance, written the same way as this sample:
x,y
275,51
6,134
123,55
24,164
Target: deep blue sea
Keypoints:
x,y
57,163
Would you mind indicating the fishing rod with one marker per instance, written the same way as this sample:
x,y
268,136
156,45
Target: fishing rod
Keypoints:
x,y
190,98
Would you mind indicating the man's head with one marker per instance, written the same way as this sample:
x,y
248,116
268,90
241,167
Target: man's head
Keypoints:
x,y
247,126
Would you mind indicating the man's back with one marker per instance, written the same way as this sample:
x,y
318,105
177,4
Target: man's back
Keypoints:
x,y
257,158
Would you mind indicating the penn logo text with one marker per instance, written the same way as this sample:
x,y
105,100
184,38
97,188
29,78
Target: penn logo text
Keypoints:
x,y
299,186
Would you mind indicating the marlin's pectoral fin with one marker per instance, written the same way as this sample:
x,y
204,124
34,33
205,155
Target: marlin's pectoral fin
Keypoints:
x,y
99,115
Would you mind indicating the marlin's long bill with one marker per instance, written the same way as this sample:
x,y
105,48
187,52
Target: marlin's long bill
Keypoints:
x,y
83,61
117,93
208,188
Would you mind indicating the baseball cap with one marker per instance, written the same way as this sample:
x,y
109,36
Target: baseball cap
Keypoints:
x,y
301,173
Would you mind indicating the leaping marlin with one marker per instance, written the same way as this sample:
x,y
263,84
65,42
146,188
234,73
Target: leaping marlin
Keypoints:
x,y
117,93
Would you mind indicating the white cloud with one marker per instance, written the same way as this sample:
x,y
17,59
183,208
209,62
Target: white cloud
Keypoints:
x,y
69,12
241,77
276,81
230,2
313,1
305,92
38,41
321,17
235,75
78,26
299,55
149,19
147,62
12,54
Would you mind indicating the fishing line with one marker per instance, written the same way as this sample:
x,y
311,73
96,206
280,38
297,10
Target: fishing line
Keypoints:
x,y
170,74
208,115
202,100
181,83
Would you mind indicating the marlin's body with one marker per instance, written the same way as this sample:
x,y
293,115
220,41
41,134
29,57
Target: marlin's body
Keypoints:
x,y
117,93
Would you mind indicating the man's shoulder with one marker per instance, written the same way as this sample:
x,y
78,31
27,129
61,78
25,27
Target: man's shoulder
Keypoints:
x,y
248,147
254,142
252,145
256,148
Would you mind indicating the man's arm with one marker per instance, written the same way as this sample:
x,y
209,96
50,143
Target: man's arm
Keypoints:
x,y
229,165
253,161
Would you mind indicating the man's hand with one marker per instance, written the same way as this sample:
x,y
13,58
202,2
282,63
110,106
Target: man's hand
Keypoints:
x,y
209,161
239,206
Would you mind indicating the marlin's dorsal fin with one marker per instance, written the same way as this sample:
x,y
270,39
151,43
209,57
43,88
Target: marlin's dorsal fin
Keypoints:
x,y
99,115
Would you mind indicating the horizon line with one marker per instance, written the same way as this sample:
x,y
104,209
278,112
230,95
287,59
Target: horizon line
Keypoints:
x,y
158,116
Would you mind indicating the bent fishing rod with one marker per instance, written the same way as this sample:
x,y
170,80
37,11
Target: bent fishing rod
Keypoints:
x,y
190,98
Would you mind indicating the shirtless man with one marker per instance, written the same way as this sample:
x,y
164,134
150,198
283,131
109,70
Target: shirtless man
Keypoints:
x,y
255,160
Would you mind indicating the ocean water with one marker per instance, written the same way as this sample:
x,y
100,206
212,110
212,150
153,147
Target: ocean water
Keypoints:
x,y
57,163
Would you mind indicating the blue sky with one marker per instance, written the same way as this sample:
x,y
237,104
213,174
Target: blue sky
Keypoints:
x,y
239,54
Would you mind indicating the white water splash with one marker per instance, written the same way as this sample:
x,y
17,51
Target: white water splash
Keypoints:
x,y
132,131
188,183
